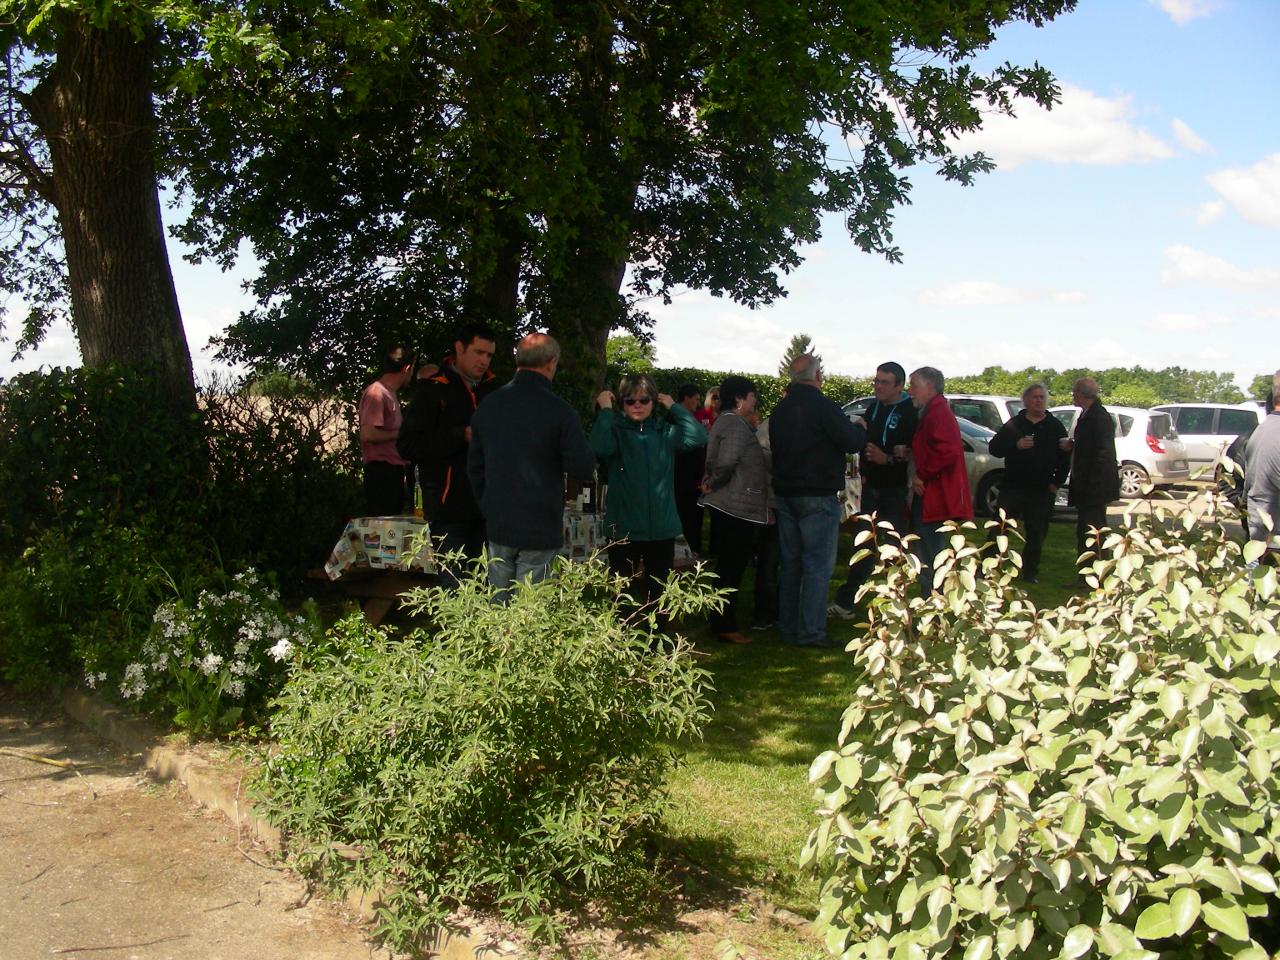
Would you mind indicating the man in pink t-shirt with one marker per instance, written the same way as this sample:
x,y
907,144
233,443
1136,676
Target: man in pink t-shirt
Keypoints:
x,y
384,468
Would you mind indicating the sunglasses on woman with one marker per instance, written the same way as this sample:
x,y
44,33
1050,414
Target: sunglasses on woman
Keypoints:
x,y
637,401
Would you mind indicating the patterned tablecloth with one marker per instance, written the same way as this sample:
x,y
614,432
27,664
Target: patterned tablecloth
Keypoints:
x,y
382,543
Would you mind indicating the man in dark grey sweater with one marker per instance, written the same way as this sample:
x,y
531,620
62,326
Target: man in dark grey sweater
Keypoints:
x,y
524,439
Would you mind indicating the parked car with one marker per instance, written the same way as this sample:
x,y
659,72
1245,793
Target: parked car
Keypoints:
x,y
987,411
984,470
1207,429
1147,448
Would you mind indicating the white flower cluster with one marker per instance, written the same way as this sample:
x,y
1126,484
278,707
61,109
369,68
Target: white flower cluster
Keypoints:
x,y
225,637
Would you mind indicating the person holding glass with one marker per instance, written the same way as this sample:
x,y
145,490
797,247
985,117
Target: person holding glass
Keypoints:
x,y
637,446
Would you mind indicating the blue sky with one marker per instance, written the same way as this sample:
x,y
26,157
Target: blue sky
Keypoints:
x,y
1137,223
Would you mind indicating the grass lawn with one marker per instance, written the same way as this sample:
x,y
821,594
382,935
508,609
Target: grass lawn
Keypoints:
x,y
741,806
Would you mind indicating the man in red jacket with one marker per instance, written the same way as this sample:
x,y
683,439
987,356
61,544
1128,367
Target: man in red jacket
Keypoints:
x,y
940,488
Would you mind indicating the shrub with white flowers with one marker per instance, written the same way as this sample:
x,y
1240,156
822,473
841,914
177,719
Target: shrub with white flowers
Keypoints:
x,y
218,661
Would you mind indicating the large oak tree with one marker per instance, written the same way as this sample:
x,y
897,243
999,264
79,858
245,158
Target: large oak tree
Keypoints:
x,y
519,158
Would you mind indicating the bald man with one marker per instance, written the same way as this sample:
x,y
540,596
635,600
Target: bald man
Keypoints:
x,y
1095,475
524,439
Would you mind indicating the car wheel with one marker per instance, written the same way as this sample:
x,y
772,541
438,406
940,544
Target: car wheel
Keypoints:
x,y
1132,479
987,499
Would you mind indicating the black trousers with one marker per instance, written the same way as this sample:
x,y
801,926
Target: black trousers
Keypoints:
x,y
1088,515
646,562
735,544
384,489
1032,509
767,559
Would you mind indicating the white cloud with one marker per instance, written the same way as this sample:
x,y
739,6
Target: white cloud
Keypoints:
x,y
1188,265
1084,128
1184,11
984,293
1189,139
1175,322
1208,212
1254,192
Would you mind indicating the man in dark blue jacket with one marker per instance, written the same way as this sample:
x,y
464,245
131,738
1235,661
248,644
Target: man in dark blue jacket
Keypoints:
x,y
810,437
891,423
524,439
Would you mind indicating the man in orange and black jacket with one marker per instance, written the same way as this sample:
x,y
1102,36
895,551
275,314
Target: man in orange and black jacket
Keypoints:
x,y
436,436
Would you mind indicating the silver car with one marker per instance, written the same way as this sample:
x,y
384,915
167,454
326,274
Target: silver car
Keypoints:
x,y
1148,449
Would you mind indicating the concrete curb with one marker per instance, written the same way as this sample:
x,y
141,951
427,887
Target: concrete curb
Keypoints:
x,y
220,789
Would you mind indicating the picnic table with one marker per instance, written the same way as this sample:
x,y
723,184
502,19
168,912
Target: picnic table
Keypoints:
x,y
378,558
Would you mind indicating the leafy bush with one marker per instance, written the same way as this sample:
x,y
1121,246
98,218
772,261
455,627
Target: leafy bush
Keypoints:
x,y
218,661
110,502
88,598
514,757
1097,779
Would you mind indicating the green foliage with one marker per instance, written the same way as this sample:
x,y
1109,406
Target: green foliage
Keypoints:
x,y
627,353
512,757
1124,386
548,153
800,345
768,387
109,504
215,663
1261,386
1096,779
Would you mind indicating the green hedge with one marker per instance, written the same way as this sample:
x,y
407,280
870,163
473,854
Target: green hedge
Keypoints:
x,y
769,386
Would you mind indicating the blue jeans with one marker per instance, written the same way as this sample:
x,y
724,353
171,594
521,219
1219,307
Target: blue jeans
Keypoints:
x,y
931,544
510,565
808,530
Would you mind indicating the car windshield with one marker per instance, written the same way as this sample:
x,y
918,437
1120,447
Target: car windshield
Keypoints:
x,y
975,430
1016,407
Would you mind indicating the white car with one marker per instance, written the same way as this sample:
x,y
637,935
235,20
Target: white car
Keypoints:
x,y
1207,429
1148,449
986,410
984,470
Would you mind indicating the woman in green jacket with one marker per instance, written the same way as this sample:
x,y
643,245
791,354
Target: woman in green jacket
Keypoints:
x,y
637,445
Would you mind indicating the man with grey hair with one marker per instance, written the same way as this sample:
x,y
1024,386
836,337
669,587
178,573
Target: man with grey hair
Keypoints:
x,y
1262,471
524,439
940,487
1035,466
810,436
1095,474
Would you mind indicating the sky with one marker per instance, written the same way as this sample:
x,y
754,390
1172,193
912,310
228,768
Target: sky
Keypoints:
x,y
1138,222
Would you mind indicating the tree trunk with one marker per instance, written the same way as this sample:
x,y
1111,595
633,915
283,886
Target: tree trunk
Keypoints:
x,y
96,114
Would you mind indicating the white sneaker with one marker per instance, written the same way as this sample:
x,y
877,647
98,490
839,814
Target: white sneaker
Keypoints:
x,y
836,610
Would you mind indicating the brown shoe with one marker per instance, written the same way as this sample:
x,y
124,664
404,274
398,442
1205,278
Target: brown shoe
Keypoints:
x,y
735,637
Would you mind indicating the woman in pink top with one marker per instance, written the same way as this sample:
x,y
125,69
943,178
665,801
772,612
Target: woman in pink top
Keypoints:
x,y
380,417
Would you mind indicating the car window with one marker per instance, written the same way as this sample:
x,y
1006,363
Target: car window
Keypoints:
x,y
979,411
1232,423
1160,425
1065,417
1195,420
1016,407
857,408
1124,424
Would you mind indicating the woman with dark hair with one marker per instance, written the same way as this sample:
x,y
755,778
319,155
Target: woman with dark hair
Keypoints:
x,y
737,493
637,447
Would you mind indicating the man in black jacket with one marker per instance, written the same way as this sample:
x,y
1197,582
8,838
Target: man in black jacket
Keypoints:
x,y
890,423
523,441
810,436
436,434
1035,466
1095,475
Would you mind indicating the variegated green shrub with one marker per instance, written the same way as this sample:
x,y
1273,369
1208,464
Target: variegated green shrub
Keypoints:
x,y
1093,780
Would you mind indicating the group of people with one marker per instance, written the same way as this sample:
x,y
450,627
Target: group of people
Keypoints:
x,y
491,459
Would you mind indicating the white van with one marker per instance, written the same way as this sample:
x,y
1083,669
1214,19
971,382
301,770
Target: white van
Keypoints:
x,y
1207,428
